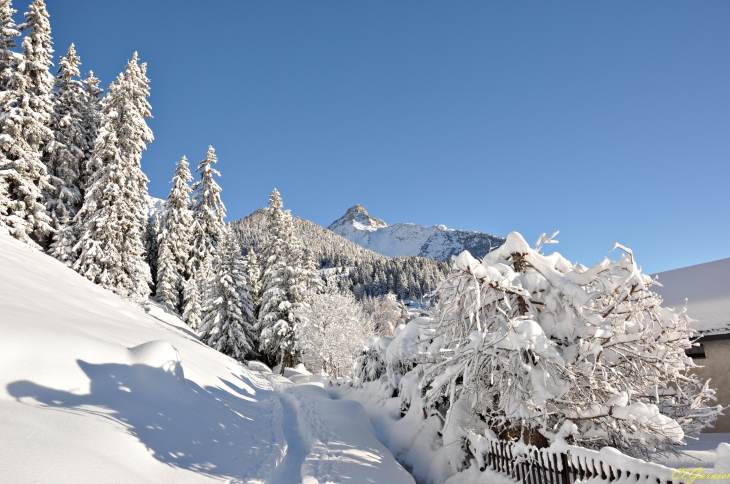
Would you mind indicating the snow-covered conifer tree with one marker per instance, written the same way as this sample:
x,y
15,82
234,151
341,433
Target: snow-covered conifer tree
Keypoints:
x,y
272,325
36,64
167,291
228,318
192,306
91,123
174,254
8,32
24,133
286,282
151,242
209,230
68,156
252,268
8,75
67,153
113,217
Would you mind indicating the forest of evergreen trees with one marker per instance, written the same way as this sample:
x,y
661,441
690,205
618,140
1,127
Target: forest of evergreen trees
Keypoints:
x,y
72,185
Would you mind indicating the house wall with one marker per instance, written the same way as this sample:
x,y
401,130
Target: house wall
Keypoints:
x,y
717,367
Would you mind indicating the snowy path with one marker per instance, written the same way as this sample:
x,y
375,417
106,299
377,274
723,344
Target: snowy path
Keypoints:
x,y
289,470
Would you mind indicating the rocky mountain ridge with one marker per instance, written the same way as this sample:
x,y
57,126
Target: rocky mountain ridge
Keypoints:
x,y
406,239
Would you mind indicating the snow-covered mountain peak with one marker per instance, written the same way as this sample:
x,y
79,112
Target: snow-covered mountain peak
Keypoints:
x,y
356,218
407,239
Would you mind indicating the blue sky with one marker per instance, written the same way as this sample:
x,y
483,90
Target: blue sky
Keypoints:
x,y
608,121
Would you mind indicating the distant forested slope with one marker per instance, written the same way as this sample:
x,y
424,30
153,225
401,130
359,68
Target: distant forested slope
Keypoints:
x,y
370,273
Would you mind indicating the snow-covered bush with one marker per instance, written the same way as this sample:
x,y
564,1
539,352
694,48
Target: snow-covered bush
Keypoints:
x,y
385,312
555,349
370,366
331,336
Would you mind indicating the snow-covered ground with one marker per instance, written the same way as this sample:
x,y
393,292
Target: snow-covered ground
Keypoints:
x,y
94,389
700,453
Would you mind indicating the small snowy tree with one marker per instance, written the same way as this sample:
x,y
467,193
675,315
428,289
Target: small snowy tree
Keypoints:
x,y
385,312
113,218
228,322
555,349
174,253
24,132
331,337
371,365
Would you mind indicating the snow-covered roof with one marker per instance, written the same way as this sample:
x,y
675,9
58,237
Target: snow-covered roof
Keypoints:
x,y
707,288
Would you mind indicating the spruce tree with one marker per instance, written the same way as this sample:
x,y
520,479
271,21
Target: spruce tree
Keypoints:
x,y
167,291
174,255
8,75
286,282
24,133
228,322
208,214
150,239
192,308
91,122
113,217
208,211
67,154
252,269
36,65
8,32
273,310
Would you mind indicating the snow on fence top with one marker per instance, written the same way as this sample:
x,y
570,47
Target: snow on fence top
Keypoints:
x,y
567,464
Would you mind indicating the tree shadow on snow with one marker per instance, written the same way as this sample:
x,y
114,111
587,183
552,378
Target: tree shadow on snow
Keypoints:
x,y
206,430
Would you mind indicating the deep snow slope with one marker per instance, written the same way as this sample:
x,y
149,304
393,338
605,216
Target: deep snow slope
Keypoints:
x,y
95,389
404,239
707,289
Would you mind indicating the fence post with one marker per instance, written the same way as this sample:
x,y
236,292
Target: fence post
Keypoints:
x,y
564,458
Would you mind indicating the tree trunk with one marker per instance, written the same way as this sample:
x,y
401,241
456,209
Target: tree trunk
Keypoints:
x,y
287,361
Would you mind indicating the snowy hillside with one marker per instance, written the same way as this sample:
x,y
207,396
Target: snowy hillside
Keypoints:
x,y
94,389
707,289
405,239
